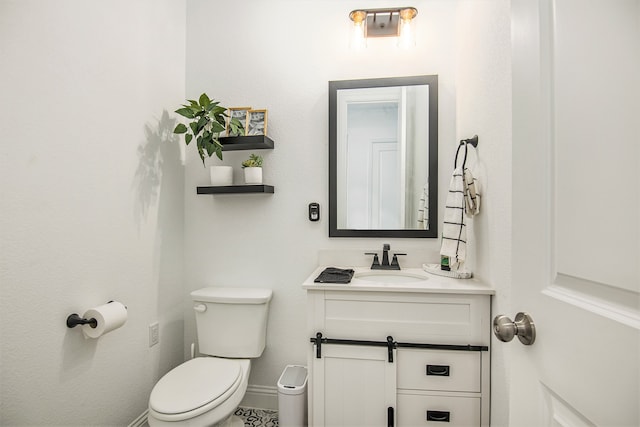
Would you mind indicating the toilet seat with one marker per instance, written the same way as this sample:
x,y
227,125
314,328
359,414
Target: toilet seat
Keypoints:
x,y
195,387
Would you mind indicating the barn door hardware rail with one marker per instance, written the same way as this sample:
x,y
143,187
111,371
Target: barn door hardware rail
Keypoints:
x,y
319,340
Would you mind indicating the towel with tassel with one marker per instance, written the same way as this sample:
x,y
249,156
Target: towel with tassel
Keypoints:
x,y
471,194
463,200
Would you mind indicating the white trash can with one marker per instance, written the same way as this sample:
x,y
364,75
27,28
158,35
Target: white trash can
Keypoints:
x,y
292,397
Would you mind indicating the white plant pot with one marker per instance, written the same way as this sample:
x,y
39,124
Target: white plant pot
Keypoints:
x,y
253,175
221,175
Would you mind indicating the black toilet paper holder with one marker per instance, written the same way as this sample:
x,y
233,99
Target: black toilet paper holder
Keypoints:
x,y
74,320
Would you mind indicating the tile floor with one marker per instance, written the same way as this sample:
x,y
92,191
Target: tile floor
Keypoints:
x,y
258,417
254,417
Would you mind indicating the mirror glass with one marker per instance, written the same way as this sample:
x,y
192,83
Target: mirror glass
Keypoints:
x,y
383,157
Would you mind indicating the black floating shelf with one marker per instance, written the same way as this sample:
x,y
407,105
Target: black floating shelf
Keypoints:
x,y
253,142
236,189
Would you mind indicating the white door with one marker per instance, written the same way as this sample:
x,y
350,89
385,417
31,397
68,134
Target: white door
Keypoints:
x,y
576,216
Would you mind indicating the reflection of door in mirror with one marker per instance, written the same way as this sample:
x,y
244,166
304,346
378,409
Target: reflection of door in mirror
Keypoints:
x,y
382,172
386,204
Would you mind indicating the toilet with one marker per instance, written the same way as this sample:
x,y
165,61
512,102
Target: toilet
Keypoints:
x,y
205,391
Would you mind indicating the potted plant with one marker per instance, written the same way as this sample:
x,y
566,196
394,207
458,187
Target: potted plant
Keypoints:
x,y
207,120
253,169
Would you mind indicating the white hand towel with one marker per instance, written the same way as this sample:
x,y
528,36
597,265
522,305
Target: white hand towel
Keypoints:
x,y
454,234
463,199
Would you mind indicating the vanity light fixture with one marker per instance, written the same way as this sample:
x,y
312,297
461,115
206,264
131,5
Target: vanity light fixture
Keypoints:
x,y
392,22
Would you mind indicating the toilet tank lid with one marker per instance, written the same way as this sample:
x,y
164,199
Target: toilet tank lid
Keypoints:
x,y
232,295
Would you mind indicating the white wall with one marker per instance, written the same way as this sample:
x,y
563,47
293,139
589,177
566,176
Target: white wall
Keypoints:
x,y
91,205
483,86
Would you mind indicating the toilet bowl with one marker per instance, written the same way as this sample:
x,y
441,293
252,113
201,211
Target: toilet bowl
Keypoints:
x,y
204,391
231,326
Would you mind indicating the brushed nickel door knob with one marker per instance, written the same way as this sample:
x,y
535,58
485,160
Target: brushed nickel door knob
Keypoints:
x,y
523,327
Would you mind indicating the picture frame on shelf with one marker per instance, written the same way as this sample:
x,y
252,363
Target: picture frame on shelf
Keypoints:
x,y
256,122
240,113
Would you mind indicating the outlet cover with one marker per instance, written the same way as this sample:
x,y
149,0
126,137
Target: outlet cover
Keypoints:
x,y
154,334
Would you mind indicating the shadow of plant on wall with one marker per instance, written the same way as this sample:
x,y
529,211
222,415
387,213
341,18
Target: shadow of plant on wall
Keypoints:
x,y
158,165
158,188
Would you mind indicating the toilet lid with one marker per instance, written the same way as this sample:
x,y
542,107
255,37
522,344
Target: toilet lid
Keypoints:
x,y
194,384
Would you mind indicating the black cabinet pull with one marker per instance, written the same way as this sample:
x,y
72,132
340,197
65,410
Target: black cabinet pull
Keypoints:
x,y
441,416
438,370
318,344
390,416
390,346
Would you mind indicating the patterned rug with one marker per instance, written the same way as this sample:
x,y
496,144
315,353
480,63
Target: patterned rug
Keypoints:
x,y
258,417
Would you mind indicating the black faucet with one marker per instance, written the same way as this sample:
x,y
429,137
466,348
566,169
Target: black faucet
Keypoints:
x,y
385,259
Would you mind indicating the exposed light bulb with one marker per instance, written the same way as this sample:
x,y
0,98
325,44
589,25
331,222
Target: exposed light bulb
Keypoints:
x,y
358,29
407,38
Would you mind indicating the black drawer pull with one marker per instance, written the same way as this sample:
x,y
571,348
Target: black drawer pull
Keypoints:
x,y
442,416
438,370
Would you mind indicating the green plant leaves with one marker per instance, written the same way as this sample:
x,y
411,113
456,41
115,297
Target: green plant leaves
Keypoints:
x,y
201,150
213,105
207,120
219,111
204,100
185,112
254,161
216,127
219,152
180,128
194,127
202,122
235,127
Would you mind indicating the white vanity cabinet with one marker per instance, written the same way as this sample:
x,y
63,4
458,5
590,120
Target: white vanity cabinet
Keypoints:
x,y
399,355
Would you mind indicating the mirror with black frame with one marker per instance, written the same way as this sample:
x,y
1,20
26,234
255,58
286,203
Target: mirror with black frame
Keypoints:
x,y
383,157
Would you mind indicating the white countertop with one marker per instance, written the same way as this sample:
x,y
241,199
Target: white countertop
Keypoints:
x,y
432,284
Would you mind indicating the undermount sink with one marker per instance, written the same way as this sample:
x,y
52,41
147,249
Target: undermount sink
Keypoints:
x,y
393,276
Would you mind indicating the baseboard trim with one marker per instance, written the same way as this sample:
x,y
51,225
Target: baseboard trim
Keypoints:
x,y
260,396
141,421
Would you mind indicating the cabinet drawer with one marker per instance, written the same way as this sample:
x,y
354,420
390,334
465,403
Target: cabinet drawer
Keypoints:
x,y
414,318
444,411
439,370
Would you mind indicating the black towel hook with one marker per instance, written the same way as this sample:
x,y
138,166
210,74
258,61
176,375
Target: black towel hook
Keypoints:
x,y
473,141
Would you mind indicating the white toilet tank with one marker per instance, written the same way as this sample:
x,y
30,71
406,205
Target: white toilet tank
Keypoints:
x,y
231,322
